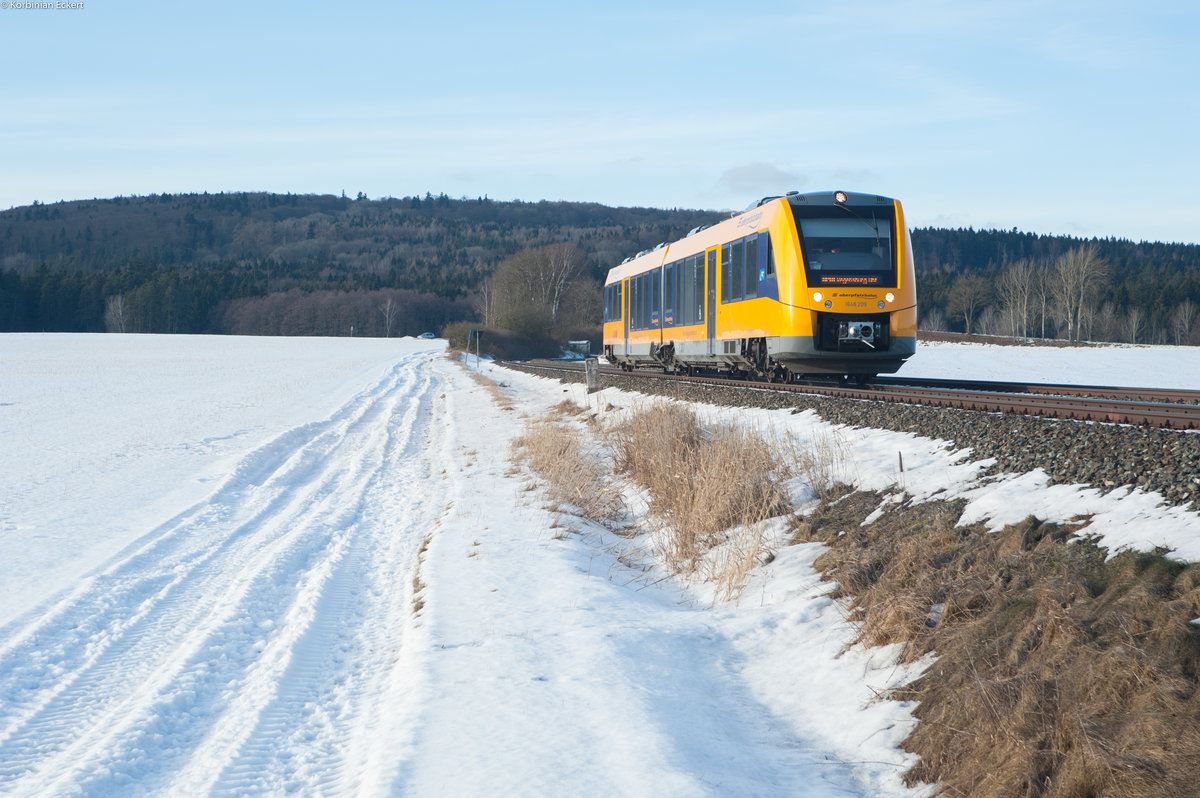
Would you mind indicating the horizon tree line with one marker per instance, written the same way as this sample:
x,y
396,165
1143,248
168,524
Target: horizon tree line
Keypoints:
x,y
1060,298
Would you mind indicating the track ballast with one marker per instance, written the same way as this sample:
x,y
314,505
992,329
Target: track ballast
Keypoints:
x,y
1152,407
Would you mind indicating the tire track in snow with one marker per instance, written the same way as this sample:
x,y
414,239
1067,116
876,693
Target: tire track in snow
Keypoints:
x,y
162,665
326,708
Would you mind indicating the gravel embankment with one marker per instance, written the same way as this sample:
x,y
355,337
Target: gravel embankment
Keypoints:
x,y
1104,455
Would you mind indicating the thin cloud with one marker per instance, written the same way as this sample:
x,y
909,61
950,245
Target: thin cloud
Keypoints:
x,y
758,178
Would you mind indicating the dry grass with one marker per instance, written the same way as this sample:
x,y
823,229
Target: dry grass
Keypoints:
x,y
418,586
572,466
1059,672
704,481
822,464
501,399
710,487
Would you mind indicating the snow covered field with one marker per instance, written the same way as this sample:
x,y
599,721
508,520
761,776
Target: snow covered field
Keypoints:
x,y
238,565
1117,364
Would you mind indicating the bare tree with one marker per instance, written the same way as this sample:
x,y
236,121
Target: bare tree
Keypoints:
x,y
989,322
530,287
934,321
1042,293
1074,285
1087,321
1016,289
116,318
1005,322
485,302
1182,320
968,295
389,309
581,310
1106,323
1135,322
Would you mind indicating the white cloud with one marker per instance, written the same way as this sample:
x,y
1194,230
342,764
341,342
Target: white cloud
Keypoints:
x,y
760,178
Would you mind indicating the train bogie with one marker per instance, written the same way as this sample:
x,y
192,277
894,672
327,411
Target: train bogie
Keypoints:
x,y
801,284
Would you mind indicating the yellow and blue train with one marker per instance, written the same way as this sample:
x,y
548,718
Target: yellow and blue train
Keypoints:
x,y
801,284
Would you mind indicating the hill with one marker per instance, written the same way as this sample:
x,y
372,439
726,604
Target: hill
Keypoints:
x,y
322,264
178,261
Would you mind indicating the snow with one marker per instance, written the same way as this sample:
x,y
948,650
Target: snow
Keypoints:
x,y
1126,365
265,565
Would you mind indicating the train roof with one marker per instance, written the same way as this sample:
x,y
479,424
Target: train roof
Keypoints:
x,y
827,198
755,217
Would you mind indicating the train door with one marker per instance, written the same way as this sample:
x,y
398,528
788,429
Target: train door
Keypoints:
x,y
710,302
625,315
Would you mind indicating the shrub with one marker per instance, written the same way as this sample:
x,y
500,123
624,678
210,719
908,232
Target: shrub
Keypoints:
x,y
703,480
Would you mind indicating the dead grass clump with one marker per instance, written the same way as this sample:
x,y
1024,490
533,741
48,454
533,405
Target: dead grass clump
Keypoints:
x,y
729,564
702,480
1059,672
573,469
500,398
418,585
565,409
822,464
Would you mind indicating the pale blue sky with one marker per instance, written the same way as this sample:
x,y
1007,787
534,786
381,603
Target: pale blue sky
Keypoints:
x,y
1069,117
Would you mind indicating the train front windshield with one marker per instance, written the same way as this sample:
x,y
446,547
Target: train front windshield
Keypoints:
x,y
853,247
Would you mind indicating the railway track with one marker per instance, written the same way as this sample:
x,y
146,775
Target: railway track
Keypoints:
x,y
1149,407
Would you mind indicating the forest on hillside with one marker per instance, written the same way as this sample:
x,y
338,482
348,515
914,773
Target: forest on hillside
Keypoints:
x,y
259,263
1020,284
288,264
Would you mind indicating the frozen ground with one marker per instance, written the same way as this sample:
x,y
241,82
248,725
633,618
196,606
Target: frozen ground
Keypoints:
x,y
1126,365
238,566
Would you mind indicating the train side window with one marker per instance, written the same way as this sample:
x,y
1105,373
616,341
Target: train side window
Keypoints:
x,y
752,270
726,273
643,302
680,292
656,298
764,240
635,303
645,280
683,303
632,289
693,291
668,287
738,268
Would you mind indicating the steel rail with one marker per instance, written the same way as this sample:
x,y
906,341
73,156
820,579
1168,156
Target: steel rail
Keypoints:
x,y
1048,401
1180,395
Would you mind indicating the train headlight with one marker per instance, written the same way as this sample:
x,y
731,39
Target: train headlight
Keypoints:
x,y
890,297
828,303
816,296
839,197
